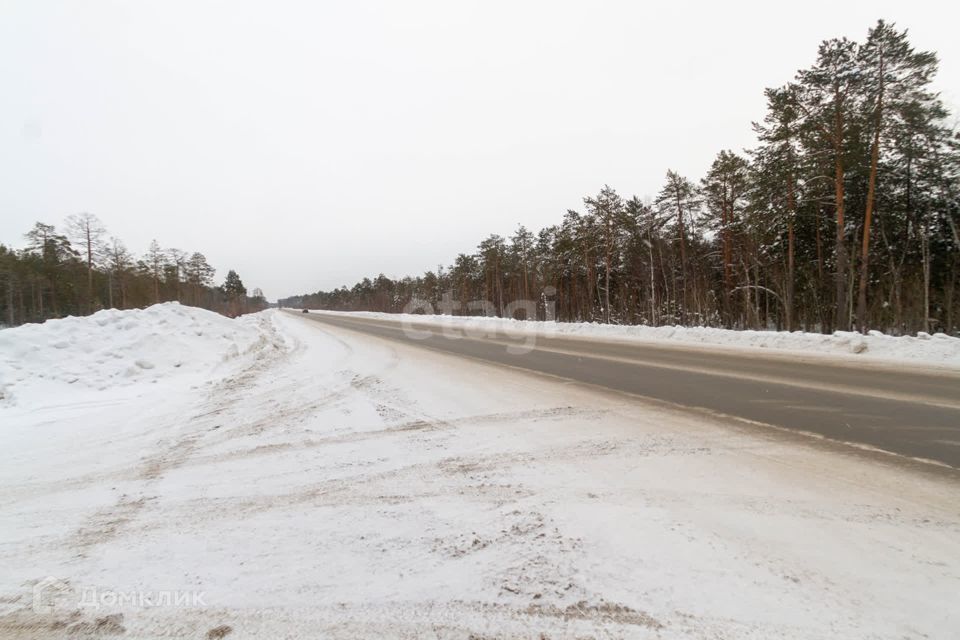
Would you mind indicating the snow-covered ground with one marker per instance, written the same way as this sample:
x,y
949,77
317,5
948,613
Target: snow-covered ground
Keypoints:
x,y
923,350
293,480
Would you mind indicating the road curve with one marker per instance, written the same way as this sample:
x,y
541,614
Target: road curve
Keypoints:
x,y
909,412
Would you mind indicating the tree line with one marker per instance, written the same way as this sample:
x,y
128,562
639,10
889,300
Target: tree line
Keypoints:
x,y
83,270
844,215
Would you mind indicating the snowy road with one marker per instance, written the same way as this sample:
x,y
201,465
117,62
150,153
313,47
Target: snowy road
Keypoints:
x,y
903,410
330,484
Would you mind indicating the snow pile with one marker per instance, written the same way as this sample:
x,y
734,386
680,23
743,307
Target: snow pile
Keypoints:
x,y
114,348
938,350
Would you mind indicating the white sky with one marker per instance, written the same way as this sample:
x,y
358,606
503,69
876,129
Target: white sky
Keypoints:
x,y
307,145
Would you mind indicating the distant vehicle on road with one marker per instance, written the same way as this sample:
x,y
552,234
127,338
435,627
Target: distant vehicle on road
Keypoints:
x,y
305,311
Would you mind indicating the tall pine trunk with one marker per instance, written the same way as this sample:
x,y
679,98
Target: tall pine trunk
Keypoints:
x,y
653,284
925,253
727,267
868,214
842,316
683,263
788,289
606,283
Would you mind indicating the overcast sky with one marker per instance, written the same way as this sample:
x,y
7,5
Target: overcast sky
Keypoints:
x,y
307,145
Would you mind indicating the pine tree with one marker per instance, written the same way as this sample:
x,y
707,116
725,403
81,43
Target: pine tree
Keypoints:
x,y
826,96
120,264
724,189
154,264
679,200
607,209
492,252
642,218
521,247
53,252
235,292
199,275
177,265
776,176
896,80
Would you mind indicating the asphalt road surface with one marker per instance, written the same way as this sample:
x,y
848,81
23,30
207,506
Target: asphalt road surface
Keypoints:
x,y
906,411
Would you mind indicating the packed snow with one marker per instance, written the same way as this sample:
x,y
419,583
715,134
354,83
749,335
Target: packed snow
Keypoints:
x,y
933,350
319,483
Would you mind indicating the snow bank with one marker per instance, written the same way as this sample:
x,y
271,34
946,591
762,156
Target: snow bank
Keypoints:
x,y
114,348
939,350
